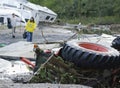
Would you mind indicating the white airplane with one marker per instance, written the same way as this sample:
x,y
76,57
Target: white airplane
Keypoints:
x,y
28,9
6,14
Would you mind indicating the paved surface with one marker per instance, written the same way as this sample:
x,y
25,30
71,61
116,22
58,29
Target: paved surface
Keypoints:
x,y
19,47
23,49
51,34
41,85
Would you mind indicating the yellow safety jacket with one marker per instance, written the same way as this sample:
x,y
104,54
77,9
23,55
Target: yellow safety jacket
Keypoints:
x,y
30,26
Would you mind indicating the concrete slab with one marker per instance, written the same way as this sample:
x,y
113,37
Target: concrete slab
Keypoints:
x,y
42,85
23,49
14,71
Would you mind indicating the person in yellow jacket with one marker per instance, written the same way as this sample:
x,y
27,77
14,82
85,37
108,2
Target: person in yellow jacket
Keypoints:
x,y
30,27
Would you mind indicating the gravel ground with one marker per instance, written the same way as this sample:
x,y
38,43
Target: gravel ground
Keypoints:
x,y
52,33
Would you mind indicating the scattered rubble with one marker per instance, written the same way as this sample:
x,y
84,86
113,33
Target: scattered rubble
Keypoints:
x,y
52,70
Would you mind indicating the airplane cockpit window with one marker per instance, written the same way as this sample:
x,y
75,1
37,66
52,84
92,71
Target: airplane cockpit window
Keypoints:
x,y
52,19
47,18
1,20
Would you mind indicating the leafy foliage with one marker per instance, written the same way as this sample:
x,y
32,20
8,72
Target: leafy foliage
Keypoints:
x,y
72,9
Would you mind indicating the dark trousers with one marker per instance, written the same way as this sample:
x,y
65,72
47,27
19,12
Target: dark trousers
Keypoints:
x,y
29,36
13,31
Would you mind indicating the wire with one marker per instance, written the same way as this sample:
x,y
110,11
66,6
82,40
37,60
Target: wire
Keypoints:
x,y
46,41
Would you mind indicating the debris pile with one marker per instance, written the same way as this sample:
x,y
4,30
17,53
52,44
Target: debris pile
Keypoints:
x,y
50,68
54,70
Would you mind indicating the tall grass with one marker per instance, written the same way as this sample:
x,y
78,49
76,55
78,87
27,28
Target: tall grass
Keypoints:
x,y
93,20
93,31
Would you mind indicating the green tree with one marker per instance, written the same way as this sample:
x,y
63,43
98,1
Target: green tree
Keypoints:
x,y
116,6
81,8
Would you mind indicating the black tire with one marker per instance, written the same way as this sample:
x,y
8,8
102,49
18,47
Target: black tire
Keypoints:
x,y
84,55
116,43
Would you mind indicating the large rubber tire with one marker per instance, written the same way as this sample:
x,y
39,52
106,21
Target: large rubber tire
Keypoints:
x,y
90,55
116,43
